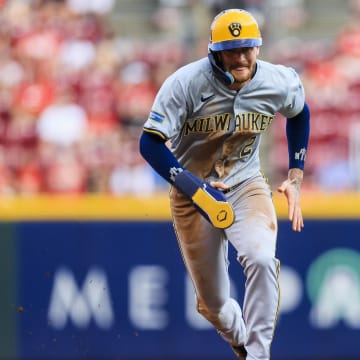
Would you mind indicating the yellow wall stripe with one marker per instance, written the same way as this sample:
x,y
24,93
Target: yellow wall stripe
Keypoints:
x,y
155,207
323,205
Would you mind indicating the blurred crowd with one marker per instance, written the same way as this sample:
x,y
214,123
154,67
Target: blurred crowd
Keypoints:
x,y
74,95
331,75
73,98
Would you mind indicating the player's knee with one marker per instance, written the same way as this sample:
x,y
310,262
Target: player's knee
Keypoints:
x,y
221,316
209,311
262,262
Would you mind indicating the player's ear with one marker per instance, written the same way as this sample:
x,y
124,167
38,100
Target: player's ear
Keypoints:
x,y
257,50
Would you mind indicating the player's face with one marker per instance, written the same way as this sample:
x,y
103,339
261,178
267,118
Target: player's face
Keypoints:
x,y
240,63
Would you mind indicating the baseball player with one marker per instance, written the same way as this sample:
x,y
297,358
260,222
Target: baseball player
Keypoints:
x,y
214,112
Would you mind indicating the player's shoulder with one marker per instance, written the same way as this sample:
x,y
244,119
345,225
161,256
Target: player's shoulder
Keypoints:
x,y
277,72
191,71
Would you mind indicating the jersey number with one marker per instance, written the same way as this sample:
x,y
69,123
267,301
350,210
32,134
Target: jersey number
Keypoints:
x,y
247,149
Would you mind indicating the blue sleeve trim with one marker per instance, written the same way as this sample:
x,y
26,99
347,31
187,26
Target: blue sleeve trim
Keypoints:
x,y
156,132
297,133
158,155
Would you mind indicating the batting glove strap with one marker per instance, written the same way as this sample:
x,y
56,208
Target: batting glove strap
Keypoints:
x,y
210,202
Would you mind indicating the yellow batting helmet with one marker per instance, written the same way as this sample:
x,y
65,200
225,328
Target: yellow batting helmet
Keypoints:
x,y
234,28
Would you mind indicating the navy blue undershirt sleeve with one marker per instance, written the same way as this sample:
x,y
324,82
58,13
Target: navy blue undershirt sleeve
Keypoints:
x,y
297,133
158,155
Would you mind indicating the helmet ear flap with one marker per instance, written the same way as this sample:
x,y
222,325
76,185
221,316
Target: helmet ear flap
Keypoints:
x,y
222,75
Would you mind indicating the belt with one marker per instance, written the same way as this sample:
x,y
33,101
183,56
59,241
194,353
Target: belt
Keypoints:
x,y
231,188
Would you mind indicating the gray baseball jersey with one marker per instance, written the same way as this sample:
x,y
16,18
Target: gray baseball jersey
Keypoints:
x,y
215,132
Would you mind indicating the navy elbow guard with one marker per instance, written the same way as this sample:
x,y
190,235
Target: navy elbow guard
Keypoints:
x,y
210,202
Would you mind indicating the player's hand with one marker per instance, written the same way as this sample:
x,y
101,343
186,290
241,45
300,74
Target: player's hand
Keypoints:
x,y
291,189
218,185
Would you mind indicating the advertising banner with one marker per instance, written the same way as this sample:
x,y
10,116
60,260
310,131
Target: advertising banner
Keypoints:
x,y
119,290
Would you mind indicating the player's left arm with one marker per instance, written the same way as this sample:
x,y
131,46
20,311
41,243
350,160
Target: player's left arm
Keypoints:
x,y
297,133
207,198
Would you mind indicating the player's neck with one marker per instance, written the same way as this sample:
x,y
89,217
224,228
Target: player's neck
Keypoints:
x,y
237,85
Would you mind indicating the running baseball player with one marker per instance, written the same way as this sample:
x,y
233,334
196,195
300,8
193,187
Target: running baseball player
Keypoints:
x,y
214,112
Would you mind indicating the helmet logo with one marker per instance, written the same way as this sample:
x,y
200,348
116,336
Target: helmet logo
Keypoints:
x,y
235,29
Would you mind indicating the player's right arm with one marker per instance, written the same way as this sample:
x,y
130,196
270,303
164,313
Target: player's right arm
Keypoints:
x,y
210,202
